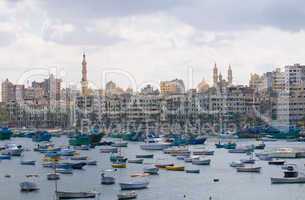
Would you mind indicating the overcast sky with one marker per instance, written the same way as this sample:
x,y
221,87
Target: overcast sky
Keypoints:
x,y
149,40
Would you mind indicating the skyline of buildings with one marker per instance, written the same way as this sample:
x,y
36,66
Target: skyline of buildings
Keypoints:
x,y
275,96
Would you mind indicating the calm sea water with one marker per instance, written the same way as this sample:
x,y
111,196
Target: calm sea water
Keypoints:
x,y
167,185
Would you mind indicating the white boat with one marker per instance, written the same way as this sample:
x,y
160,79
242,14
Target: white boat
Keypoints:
x,y
201,161
64,170
107,180
283,153
12,150
150,170
75,195
249,169
53,176
237,164
120,144
134,185
28,186
190,159
155,146
291,175
128,195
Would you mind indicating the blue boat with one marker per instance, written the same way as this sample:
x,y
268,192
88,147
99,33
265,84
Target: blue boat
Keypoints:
x,y
5,157
5,133
41,136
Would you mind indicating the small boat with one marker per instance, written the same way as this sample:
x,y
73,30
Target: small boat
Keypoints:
x,y
66,152
291,175
105,143
248,161
79,158
107,180
139,175
136,161
128,195
175,168
193,171
118,158
92,162
264,157
82,147
5,157
276,162
145,156
239,150
109,150
237,164
119,165
78,165
204,152
268,139
27,162
260,146
201,161
134,185
180,157
53,176
189,159
155,146
150,170
120,144
64,170
28,186
249,169
74,195
163,165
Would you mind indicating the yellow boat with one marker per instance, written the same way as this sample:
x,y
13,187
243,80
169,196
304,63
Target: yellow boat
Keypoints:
x,y
48,159
119,165
175,168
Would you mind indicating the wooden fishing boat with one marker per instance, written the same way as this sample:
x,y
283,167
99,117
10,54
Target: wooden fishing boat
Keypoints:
x,y
128,195
193,171
249,169
134,185
175,168
201,161
136,161
145,156
119,165
74,195
163,165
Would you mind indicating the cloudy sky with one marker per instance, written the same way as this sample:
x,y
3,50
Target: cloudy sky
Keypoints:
x,y
144,41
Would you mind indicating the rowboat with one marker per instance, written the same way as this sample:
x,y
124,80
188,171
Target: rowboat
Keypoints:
x,y
5,157
119,144
64,170
201,162
92,162
136,161
128,195
248,161
79,158
193,171
276,162
163,165
53,176
119,165
75,195
107,180
175,168
28,162
134,185
155,146
145,156
204,152
237,164
150,170
139,175
109,150
249,169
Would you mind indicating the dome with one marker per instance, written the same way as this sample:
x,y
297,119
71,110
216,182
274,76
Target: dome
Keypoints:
x,y
203,86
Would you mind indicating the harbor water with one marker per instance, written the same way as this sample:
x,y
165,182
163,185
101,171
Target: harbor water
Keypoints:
x,y
168,185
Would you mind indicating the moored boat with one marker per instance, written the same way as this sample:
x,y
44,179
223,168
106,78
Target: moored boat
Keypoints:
x,y
74,195
237,164
276,162
28,186
175,168
201,161
150,170
193,171
204,152
53,176
128,195
163,165
249,169
134,185
119,165
120,144
136,161
27,162
291,175
145,156
109,150
107,180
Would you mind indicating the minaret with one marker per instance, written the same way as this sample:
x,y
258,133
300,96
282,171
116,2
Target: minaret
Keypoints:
x,y
230,76
215,75
84,81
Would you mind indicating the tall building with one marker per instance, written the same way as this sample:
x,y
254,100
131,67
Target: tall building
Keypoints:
x,y
215,76
175,86
230,75
84,81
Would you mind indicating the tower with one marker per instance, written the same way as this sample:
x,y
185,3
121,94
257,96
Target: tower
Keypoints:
x,y
230,76
215,75
84,81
